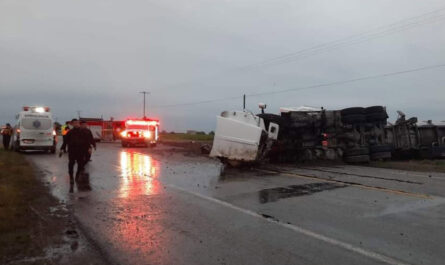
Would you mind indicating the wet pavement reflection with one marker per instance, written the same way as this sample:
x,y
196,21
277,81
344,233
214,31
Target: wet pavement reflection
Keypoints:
x,y
135,216
139,173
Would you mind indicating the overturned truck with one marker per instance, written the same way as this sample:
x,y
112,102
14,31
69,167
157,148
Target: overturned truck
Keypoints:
x,y
410,138
355,135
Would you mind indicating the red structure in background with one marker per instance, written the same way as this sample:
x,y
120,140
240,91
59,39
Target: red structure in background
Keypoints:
x,y
104,130
108,130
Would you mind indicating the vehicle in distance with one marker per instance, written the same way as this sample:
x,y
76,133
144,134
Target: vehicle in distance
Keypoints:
x,y
34,130
143,132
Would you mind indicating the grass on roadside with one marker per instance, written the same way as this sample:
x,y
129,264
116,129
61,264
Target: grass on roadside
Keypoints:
x,y
18,190
413,165
185,137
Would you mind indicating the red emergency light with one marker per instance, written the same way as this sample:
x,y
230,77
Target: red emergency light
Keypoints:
x,y
141,122
36,109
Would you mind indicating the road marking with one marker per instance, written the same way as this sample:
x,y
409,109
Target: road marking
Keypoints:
x,y
298,229
362,186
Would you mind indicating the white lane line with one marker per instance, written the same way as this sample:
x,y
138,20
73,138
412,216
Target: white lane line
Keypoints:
x,y
332,241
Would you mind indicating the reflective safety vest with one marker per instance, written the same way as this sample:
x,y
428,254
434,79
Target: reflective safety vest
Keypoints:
x,y
65,129
6,131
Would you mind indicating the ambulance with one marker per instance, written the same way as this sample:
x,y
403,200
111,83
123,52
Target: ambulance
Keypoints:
x,y
34,130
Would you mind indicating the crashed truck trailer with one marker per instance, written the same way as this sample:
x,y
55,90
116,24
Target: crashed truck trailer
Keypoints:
x,y
410,138
354,135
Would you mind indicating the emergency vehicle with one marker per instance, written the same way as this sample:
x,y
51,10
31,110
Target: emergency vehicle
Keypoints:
x,y
140,132
34,130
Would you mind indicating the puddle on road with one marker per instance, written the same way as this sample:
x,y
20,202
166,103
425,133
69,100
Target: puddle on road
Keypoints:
x,y
275,194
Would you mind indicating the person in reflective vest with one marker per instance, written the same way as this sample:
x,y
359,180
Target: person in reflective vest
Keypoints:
x,y
6,133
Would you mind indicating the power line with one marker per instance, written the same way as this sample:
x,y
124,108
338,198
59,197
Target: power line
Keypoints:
x,y
307,87
374,33
348,41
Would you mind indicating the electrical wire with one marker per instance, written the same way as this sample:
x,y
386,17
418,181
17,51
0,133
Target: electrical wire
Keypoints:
x,y
306,87
374,33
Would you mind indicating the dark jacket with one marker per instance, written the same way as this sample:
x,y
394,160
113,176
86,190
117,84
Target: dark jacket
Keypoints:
x,y
77,141
90,137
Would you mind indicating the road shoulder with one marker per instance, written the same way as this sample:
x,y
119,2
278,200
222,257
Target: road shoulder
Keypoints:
x,y
36,228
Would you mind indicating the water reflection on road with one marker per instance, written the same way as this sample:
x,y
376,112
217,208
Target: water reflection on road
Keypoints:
x,y
139,174
135,221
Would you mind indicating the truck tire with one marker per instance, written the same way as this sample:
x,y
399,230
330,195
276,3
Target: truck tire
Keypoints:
x,y
357,159
352,111
376,116
353,118
438,151
124,144
381,156
380,148
356,151
153,145
375,109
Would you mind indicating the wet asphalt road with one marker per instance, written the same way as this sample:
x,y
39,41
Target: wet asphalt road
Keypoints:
x,y
155,206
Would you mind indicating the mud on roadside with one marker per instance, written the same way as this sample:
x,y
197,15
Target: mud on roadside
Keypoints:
x,y
37,228
187,146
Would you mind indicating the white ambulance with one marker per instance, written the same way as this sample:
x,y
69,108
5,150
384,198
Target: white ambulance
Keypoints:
x,y
34,130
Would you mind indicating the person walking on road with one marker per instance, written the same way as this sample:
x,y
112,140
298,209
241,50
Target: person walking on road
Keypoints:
x,y
65,129
76,141
6,133
91,141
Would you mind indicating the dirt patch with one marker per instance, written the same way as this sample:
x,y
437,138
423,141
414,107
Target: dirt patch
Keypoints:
x,y
35,227
190,147
275,194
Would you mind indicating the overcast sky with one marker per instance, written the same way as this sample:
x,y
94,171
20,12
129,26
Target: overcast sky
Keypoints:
x,y
95,56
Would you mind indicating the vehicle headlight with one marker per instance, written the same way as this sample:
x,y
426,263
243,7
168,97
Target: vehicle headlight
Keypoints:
x,y
147,134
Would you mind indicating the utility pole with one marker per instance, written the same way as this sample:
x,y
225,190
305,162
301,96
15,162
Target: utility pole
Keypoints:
x,y
78,114
144,93
244,102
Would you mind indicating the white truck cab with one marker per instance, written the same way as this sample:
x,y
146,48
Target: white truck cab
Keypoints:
x,y
242,136
34,130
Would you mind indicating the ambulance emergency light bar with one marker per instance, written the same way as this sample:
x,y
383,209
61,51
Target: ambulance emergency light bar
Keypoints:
x,y
36,109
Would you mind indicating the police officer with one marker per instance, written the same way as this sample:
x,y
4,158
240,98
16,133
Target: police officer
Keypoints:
x,y
76,141
91,142
6,133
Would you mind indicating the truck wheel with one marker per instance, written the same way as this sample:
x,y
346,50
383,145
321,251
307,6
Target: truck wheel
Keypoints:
x,y
375,109
357,159
377,116
352,111
153,145
356,151
381,156
380,148
353,118
124,144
